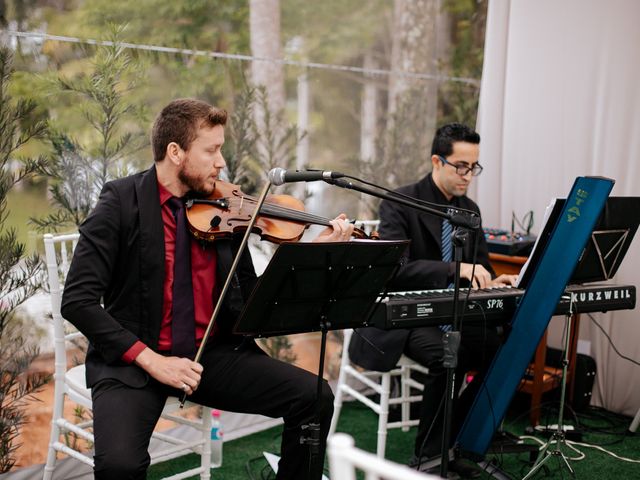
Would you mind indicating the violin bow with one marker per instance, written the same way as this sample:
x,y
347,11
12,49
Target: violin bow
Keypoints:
x,y
234,266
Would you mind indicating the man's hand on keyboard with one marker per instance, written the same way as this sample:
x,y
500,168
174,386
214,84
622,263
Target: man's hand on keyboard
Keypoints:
x,y
481,276
504,280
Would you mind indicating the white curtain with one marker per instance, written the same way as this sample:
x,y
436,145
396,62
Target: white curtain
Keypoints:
x,y
560,98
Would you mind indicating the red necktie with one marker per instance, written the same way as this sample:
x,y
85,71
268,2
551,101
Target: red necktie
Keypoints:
x,y
183,327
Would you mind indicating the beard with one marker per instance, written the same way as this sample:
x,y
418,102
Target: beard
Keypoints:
x,y
197,186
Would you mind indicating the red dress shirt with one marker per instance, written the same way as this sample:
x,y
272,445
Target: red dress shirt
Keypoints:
x,y
203,276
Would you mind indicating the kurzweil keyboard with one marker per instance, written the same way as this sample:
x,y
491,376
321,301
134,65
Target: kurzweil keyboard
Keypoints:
x,y
492,305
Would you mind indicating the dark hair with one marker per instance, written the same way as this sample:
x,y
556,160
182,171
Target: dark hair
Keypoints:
x,y
448,134
179,122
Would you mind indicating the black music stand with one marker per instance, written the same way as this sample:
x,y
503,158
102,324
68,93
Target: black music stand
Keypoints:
x,y
606,247
609,241
319,286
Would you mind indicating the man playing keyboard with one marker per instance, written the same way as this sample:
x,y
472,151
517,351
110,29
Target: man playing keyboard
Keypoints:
x,y
429,265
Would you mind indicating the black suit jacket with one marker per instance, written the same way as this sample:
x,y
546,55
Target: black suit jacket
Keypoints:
x,y
423,268
113,292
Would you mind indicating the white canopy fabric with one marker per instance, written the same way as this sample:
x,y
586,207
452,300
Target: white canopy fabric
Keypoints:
x,y
560,98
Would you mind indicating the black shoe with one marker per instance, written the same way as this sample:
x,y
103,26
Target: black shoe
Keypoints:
x,y
464,468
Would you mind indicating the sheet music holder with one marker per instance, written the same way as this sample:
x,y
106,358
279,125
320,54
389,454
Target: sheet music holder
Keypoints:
x,y
606,247
315,286
609,242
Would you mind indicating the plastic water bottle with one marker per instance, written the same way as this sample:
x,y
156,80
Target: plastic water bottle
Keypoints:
x,y
216,439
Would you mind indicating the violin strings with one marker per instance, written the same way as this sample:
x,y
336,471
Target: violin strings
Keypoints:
x,y
294,214
284,211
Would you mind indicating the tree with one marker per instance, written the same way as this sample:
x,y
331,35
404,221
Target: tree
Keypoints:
x,y
19,275
458,101
436,37
413,50
274,138
240,146
368,131
104,100
251,152
264,21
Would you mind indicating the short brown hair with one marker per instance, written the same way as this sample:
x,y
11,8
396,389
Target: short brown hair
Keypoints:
x,y
179,122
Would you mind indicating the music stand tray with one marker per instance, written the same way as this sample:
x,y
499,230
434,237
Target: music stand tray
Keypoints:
x,y
319,286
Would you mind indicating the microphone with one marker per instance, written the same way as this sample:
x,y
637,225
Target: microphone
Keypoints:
x,y
278,176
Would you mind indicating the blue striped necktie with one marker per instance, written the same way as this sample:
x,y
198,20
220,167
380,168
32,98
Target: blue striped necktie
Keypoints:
x,y
447,245
447,253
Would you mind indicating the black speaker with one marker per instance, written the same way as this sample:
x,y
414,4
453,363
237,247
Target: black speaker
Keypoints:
x,y
585,373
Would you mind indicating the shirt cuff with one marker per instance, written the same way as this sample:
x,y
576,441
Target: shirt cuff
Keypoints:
x,y
131,354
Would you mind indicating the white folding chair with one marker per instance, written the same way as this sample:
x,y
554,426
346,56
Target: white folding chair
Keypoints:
x,y
345,459
70,384
380,383
635,422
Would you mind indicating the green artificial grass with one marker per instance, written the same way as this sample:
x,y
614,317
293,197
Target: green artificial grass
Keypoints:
x,y
597,427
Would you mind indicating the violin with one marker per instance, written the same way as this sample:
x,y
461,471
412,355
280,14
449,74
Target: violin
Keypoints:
x,y
229,210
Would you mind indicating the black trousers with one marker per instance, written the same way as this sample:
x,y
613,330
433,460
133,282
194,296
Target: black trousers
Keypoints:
x,y
235,378
424,345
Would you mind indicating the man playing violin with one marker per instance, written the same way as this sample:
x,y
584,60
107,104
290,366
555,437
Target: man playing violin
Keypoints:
x,y
121,293
454,158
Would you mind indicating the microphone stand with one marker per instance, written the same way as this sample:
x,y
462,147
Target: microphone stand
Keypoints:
x,y
451,344
451,340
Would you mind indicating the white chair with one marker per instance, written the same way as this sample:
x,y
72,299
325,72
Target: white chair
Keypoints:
x,y
71,384
380,383
345,459
635,422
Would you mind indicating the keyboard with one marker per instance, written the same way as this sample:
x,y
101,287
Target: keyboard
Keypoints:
x,y
491,306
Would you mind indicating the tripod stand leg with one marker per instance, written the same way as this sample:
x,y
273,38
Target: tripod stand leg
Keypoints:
x,y
566,462
540,461
558,436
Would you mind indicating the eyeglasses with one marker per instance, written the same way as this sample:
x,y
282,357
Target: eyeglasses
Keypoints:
x,y
463,169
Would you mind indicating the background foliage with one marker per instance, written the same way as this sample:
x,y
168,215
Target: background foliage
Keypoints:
x,y
332,31
19,274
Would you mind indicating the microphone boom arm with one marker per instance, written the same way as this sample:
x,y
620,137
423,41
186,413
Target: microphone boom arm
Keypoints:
x,y
458,219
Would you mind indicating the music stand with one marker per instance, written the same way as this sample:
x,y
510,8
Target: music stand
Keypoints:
x,y
606,247
319,286
609,241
